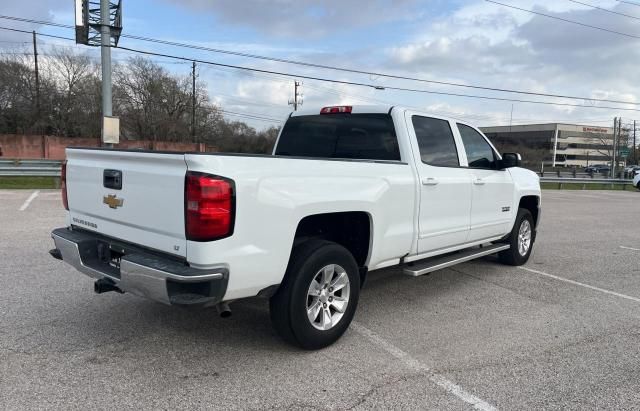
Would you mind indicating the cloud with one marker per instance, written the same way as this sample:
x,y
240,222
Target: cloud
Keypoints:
x,y
303,18
466,41
36,9
486,44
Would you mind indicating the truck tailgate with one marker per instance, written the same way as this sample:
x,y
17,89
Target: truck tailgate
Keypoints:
x,y
147,210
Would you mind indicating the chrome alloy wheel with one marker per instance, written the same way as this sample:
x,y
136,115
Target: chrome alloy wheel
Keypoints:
x,y
524,237
328,297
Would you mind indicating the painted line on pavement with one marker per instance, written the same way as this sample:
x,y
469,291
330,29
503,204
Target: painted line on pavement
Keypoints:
x,y
416,365
591,287
29,200
629,248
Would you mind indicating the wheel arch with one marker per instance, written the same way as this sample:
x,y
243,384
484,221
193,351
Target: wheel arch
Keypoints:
x,y
531,203
350,229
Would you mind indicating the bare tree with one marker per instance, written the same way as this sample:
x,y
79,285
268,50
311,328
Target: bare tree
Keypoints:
x,y
75,111
17,94
152,103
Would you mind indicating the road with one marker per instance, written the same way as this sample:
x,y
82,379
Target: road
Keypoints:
x,y
561,332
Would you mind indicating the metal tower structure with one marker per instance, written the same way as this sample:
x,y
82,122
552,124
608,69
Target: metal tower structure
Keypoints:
x,y
99,23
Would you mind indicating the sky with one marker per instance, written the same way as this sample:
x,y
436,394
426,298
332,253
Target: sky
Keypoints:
x,y
471,42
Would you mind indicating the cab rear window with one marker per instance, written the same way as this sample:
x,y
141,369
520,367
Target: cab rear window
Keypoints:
x,y
348,136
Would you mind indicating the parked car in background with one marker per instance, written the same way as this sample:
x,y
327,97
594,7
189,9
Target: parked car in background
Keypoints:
x,y
630,168
597,168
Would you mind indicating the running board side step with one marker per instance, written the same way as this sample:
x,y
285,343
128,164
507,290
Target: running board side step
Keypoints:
x,y
438,263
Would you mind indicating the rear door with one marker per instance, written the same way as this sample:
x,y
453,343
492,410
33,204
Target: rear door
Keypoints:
x,y
445,186
492,189
146,205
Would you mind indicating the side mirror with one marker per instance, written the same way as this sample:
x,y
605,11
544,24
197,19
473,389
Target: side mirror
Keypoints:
x,y
510,160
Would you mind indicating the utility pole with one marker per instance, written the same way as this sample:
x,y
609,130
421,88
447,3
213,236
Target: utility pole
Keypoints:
x,y
613,156
297,101
618,145
193,101
35,57
105,50
635,159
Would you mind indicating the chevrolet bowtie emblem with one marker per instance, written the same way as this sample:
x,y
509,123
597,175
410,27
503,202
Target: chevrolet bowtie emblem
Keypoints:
x,y
112,201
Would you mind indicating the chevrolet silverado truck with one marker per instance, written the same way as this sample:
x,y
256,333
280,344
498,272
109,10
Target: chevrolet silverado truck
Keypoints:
x,y
347,190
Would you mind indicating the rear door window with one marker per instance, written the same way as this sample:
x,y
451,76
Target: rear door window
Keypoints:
x,y
435,141
348,136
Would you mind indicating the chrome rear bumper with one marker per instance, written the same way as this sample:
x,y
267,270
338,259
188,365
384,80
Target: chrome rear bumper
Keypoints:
x,y
138,271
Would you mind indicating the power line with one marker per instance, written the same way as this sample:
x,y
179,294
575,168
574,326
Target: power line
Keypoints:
x,y
39,34
464,116
251,116
255,115
354,83
374,86
47,23
605,10
244,115
467,116
247,102
565,20
628,2
348,70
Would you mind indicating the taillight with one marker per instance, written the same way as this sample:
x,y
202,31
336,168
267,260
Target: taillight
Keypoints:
x,y
209,207
336,110
63,184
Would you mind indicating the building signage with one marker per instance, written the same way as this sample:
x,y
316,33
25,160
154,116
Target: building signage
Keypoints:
x,y
595,130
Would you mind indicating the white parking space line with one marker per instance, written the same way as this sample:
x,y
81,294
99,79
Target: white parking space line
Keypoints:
x,y
629,248
591,287
29,200
416,365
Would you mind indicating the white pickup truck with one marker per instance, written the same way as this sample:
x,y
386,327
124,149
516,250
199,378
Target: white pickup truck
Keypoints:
x,y
347,190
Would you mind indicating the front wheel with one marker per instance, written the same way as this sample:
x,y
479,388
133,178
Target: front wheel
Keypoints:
x,y
318,298
521,240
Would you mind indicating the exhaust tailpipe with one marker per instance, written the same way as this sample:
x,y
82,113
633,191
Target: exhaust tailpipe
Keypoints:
x,y
104,285
55,253
224,310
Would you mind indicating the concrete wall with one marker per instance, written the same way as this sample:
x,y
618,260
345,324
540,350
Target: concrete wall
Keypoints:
x,y
29,146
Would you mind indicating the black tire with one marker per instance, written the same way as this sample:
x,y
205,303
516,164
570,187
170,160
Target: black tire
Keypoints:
x,y
512,256
288,307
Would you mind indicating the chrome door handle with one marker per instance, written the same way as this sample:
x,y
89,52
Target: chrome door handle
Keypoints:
x,y
478,181
429,181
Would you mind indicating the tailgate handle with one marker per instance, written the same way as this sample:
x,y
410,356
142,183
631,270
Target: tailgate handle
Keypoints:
x,y
112,179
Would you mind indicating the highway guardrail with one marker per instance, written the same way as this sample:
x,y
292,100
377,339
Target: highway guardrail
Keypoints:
x,y
586,181
30,171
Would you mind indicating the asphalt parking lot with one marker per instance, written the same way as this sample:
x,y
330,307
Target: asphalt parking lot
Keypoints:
x,y
561,332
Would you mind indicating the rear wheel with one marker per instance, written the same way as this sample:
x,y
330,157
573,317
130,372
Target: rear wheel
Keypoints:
x,y
318,298
521,240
